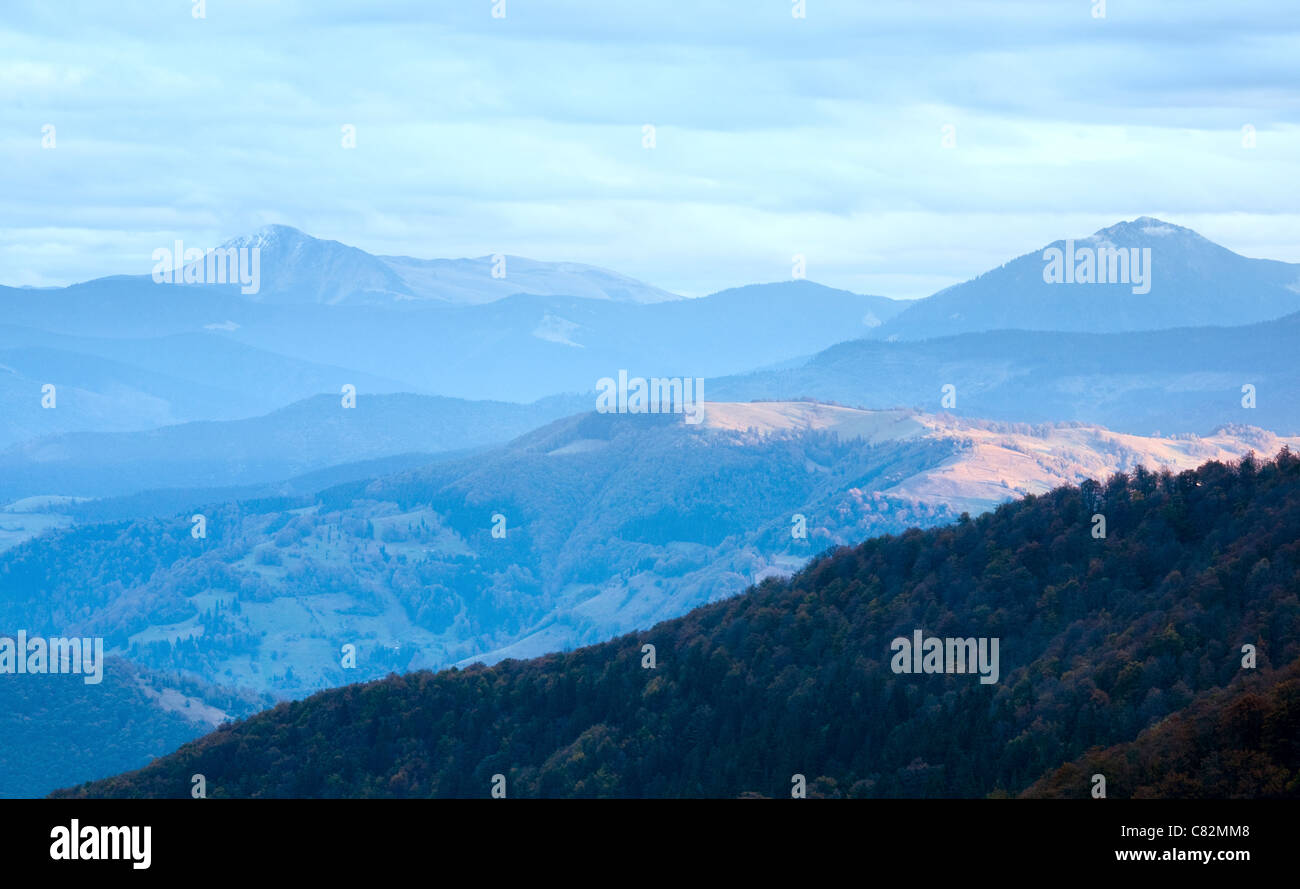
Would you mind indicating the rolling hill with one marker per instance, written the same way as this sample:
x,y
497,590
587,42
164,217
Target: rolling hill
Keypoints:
x,y
131,717
306,436
610,523
1170,381
116,385
1099,640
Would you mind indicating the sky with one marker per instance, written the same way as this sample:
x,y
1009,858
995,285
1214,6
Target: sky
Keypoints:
x,y
899,147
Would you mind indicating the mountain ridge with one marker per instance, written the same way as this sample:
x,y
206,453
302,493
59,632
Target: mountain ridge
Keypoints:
x,y
600,538
1100,639
1192,282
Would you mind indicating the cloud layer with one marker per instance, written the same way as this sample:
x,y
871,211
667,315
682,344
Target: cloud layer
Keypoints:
x,y
774,135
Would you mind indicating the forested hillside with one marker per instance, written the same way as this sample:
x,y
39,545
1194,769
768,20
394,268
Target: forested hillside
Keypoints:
x,y
1236,743
60,729
1100,638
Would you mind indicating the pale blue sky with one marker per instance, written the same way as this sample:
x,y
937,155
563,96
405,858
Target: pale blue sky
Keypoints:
x,y
523,135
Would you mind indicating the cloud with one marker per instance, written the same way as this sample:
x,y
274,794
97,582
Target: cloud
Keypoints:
x,y
774,135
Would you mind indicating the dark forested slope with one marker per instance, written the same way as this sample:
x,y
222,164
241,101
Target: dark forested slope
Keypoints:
x,y
1242,742
1100,638
58,729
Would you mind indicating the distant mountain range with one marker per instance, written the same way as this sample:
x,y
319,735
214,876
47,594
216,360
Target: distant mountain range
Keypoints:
x,y
844,414
329,314
1166,381
110,384
297,268
520,342
1135,638
611,522
306,436
1191,282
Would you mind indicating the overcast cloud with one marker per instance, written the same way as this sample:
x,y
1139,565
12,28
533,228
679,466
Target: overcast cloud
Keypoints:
x,y
523,135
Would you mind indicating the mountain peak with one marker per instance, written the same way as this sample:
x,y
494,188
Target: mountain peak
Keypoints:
x,y
300,268
276,236
279,230
1144,228
1180,279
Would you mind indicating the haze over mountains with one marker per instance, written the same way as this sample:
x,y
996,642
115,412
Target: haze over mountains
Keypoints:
x,y
373,525
128,354
330,314
303,437
1192,282
1123,640
611,522
113,383
302,269
1147,382
545,328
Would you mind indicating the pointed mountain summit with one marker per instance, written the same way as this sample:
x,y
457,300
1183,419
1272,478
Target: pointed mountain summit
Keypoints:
x,y
1145,274
1140,230
298,268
